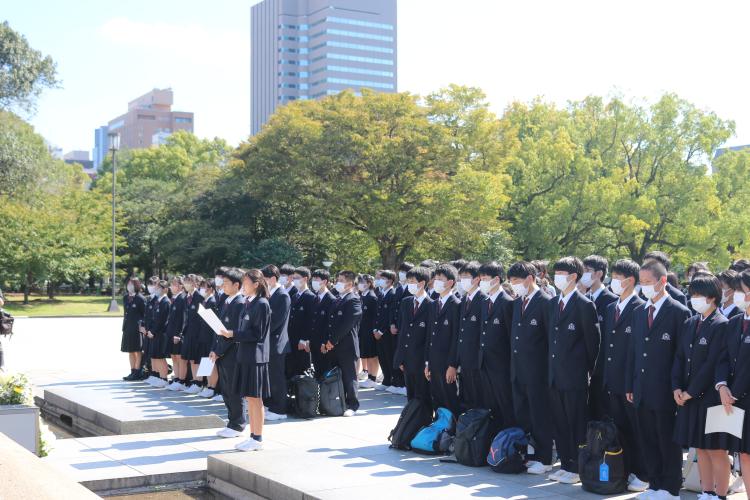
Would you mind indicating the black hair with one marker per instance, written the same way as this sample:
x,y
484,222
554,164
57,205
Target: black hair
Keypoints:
x,y
569,265
405,266
672,279
256,277
302,271
428,263
471,268
494,269
287,269
322,274
740,265
349,276
388,274
221,271
270,271
522,270
597,263
163,284
655,267
137,287
192,278
234,275
695,266
745,277
659,256
210,283
447,270
179,279
706,286
541,266
419,273
367,279
730,278
459,263
627,268
153,280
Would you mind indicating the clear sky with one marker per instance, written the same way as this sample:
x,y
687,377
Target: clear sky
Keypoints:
x,y
110,51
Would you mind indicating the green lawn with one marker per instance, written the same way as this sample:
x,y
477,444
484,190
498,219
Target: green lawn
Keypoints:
x,y
62,305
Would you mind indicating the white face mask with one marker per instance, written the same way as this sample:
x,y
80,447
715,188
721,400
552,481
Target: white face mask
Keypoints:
x,y
297,282
151,289
700,304
561,281
466,284
485,286
340,286
439,286
202,291
402,276
520,289
283,280
740,301
413,288
587,280
726,296
362,287
380,283
617,286
130,288
649,291
316,285
219,281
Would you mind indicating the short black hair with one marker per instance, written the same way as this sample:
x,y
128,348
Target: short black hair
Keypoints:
x,y
302,271
740,265
447,270
270,271
730,278
706,286
322,274
459,263
659,256
388,274
234,275
522,270
494,269
419,273
470,268
349,276
569,265
405,266
597,263
428,263
745,277
540,265
695,266
221,271
628,268
655,267
366,278
672,279
287,269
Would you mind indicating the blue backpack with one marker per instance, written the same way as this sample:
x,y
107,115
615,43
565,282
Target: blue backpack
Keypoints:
x,y
435,438
508,451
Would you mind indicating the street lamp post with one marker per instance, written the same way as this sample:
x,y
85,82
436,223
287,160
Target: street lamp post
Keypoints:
x,y
114,144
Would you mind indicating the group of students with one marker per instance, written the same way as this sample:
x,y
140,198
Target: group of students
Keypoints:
x,y
466,335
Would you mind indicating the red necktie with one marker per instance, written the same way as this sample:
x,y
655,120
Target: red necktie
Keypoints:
x,y
562,307
698,326
745,325
489,307
190,300
651,310
617,314
416,306
440,306
523,306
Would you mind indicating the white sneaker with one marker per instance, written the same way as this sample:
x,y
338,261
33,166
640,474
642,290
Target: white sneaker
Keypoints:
x,y
367,384
362,376
172,386
664,494
194,389
391,389
569,478
401,391
272,417
538,468
151,380
555,476
350,413
649,494
249,445
206,393
218,398
160,383
381,387
226,432
180,387
635,484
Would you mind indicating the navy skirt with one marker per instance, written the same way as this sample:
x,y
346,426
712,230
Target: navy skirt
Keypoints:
x,y
251,380
158,348
131,340
367,346
732,443
690,427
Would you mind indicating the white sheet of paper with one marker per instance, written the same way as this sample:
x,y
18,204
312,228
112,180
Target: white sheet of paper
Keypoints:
x,y
209,316
717,420
205,368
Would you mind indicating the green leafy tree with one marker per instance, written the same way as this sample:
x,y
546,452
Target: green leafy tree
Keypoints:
x,y
23,155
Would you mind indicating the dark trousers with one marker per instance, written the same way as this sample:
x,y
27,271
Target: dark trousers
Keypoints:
x,y
663,458
416,386
146,356
277,378
497,396
397,378
533,414
443,394
346,360
470,389
297,362
598,399
569,410
624,415
321,362
233,401
385,357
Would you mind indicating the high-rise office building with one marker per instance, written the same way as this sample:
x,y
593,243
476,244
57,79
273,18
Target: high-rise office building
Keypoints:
x,y
101,145
307,49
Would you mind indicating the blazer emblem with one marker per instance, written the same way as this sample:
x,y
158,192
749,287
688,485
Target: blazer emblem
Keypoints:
x,y
703,341
421,324
666,336
341,313
747,339
496,322
446,324
628,329
533,322
473,318
571,327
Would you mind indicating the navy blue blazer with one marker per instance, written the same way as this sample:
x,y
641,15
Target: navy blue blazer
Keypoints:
x,y
322,308
191,325
253,332
573,343
616,341
604,299
229,314
494,343
441,349
734,363
529,341
149,315
206,334
161,316
401,292
135,310
343,323
176,319
301,317
677,295
387,308
369,312
413,335
650,359
470,330
280,304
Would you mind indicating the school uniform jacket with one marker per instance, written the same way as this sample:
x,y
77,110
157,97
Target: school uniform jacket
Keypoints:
x,y
734,311
470,330
229,314
280,304
529,340
616,341
413,335
677,294
149,315
319,331
649,366
301,316
604,299
206,334
343,324
441,348
573,343
192,322
369,312
733,367
401,293
161,316
176,319
386,307
253,332
135,309
494,342
697,355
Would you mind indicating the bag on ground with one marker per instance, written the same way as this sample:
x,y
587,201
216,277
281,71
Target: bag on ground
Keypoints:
x,y
691,479
508,451
416,414
601,461
431,439
306,396
332,399
473,438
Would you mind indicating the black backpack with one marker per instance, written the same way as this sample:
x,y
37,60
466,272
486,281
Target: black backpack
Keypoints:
x,y
601,462
416,414
306,396
332,399
473,438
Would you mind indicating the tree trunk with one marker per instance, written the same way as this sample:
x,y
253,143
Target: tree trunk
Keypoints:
x,y
50,290
27,287
389,257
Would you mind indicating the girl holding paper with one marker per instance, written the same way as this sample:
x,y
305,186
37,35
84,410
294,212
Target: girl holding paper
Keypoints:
x,y
700,348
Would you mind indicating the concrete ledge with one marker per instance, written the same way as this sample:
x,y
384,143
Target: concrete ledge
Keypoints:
x,y
23,475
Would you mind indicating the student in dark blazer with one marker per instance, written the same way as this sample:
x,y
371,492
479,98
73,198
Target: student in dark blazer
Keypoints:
x,y
414,312
528,363
401,292
730,284
384,341
134,305
280,305
224,352
286,280
673,291
175,324
324,300
219,282
158,335
190,332
152,300
342,343
301,320
442,344
368,349
252,335
494,346
470,330
617,331
206,337
733,373
657,326
693,383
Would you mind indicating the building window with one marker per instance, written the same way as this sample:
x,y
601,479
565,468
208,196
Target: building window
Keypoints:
x,y
299,27
288,38
292,50
146,117
301,62
344,57
355,46
183,119
353,34
353,22
356,83
357,71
